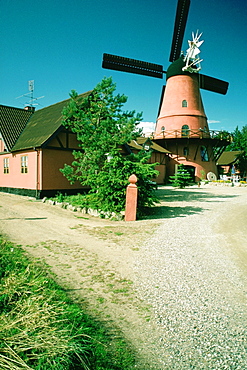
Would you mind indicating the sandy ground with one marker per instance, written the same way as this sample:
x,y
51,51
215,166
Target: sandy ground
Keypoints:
x,y
94,258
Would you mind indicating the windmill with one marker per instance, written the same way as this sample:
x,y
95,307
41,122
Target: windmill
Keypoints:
x,y
181,126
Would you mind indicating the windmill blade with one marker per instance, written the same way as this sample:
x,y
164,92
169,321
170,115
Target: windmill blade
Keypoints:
x,y
132,65
179,27
213,84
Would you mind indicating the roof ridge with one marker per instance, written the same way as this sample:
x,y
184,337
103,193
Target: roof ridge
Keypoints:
x,y
63,101
42,125
16,108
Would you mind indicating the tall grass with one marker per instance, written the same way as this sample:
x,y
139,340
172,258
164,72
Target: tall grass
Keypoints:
x,y
41,329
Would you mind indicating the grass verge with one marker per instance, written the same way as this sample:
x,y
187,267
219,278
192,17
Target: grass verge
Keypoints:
x,y
41,328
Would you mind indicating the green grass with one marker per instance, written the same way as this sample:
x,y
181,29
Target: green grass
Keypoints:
x,y
42,329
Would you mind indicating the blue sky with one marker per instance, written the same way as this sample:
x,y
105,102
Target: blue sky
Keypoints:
x,y
59,44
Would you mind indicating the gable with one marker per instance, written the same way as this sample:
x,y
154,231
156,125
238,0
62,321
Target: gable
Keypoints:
x,y
44,124
12,123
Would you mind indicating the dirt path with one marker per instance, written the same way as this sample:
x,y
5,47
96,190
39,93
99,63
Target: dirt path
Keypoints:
x,y
91,257
94,258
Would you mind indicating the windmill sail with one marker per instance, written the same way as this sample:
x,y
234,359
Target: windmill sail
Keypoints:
x,y
179,28
213,84
123,64
132,65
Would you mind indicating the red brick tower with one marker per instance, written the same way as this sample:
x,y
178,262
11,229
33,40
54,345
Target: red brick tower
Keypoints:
x,y
182,126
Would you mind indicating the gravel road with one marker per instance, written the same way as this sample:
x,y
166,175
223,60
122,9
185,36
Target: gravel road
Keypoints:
x,y
193,273
191,270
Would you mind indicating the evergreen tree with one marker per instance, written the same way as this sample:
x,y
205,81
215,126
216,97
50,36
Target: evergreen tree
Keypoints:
x,y
182,178
102,128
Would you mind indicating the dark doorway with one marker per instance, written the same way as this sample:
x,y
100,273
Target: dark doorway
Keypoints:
x,y
191,170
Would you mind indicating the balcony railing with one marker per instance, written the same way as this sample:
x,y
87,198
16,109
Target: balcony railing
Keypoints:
x,y
194,134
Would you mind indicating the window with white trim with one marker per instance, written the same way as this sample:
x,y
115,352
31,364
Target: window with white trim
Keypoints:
x,y
6,165
184,104
24,164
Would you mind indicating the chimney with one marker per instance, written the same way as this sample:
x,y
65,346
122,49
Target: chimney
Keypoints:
x,y
29,108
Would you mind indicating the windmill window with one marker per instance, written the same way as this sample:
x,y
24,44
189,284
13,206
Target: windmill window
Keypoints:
x,y
185,131
163,129
5,165
24,164
204,154
184,104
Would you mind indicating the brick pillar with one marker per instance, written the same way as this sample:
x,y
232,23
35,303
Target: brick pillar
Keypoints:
x,y
131,199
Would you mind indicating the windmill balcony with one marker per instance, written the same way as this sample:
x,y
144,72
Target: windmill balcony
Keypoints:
x,y
193,134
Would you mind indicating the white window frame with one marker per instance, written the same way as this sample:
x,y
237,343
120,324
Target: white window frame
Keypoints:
x,y
6,165
24,164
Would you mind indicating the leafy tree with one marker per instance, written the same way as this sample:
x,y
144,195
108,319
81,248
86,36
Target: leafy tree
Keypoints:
x,y
241,163
239,139
182,178
240,143
102,128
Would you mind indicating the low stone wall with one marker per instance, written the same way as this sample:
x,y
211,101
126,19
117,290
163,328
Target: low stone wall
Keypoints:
x,y
83,210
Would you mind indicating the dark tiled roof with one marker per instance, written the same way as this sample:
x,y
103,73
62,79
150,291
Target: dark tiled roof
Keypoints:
x,y
12,123
42,125
228,158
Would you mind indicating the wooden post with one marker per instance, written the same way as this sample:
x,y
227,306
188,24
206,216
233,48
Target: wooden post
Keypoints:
x,y
131,199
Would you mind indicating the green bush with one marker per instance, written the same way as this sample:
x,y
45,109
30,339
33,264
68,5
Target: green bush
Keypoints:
x,y
182,178
113,180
